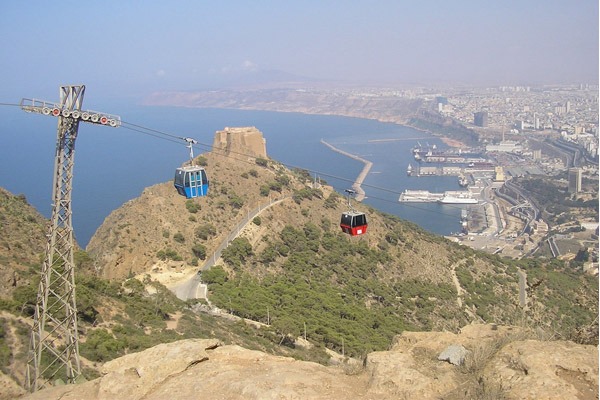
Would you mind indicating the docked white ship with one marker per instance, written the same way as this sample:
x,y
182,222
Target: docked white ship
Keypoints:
x,y
458,197
449,197
420,196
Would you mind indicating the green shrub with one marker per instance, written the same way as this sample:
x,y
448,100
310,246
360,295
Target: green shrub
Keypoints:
x,y
205,231
168,254
202,161
265,190
331,201
101,346
5,352
178,237
236,201
192,206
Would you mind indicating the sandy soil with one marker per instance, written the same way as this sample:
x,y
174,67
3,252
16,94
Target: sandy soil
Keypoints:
x,y
452,142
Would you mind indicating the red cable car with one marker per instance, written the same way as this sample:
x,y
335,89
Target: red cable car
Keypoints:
x,y
353,222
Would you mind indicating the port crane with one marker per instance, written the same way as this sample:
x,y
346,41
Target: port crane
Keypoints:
x,y
54,344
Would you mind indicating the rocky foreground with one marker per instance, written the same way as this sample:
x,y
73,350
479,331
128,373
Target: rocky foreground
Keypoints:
x,y
482,361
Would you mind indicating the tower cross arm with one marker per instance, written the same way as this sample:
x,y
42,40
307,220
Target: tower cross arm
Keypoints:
x,y
62,110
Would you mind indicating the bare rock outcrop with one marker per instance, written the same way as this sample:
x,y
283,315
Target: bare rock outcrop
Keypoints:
x,y
501,363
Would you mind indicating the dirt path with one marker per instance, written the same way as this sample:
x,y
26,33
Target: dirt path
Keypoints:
x,y
459,290
460,293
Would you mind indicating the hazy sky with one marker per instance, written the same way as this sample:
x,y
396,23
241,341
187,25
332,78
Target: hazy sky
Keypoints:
x,y
119,46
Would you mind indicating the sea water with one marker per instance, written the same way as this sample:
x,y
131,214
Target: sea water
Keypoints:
x,y
114,165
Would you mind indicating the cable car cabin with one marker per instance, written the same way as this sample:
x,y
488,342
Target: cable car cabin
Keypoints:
x,y
191,181
354,223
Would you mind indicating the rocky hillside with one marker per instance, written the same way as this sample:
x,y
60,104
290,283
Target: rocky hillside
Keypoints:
x,y
292,268
291,273
480,362
22,240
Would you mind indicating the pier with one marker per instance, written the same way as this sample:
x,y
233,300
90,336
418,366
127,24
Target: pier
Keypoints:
x,y
356,186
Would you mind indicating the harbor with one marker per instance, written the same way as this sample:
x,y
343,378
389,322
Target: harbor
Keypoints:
x,y
431,162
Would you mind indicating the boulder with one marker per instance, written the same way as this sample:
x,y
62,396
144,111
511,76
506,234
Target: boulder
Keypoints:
x,y
454,354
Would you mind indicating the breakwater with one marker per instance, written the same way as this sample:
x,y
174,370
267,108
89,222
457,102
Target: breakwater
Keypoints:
x,y
356,186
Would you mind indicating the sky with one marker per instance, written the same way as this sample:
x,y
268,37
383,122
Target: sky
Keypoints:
x,y
121,48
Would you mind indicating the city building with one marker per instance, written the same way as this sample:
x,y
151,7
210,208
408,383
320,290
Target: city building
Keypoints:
x,y
481,118
499,174
574,179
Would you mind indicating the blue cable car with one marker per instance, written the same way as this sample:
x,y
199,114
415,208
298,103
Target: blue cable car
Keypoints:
x,y
191,181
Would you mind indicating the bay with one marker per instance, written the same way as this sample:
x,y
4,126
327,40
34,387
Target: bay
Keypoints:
x,y
113,166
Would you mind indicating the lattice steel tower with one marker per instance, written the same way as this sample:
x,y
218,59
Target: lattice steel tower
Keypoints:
x,y
54,344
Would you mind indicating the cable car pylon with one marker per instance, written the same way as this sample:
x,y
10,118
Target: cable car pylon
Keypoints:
x,y
54,345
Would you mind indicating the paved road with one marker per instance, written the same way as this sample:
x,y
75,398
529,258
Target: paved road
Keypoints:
x,y
193,288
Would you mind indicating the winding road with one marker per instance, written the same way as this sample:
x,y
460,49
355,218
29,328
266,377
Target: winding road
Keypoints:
x,y
193,288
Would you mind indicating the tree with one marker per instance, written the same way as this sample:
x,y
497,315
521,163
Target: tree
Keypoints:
x,y
237,252
199,251
215,275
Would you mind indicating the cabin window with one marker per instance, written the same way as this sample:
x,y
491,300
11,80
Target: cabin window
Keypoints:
x,y
360,220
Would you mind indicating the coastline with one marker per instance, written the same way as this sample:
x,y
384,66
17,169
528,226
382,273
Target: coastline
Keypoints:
x,y
401,119
356,186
